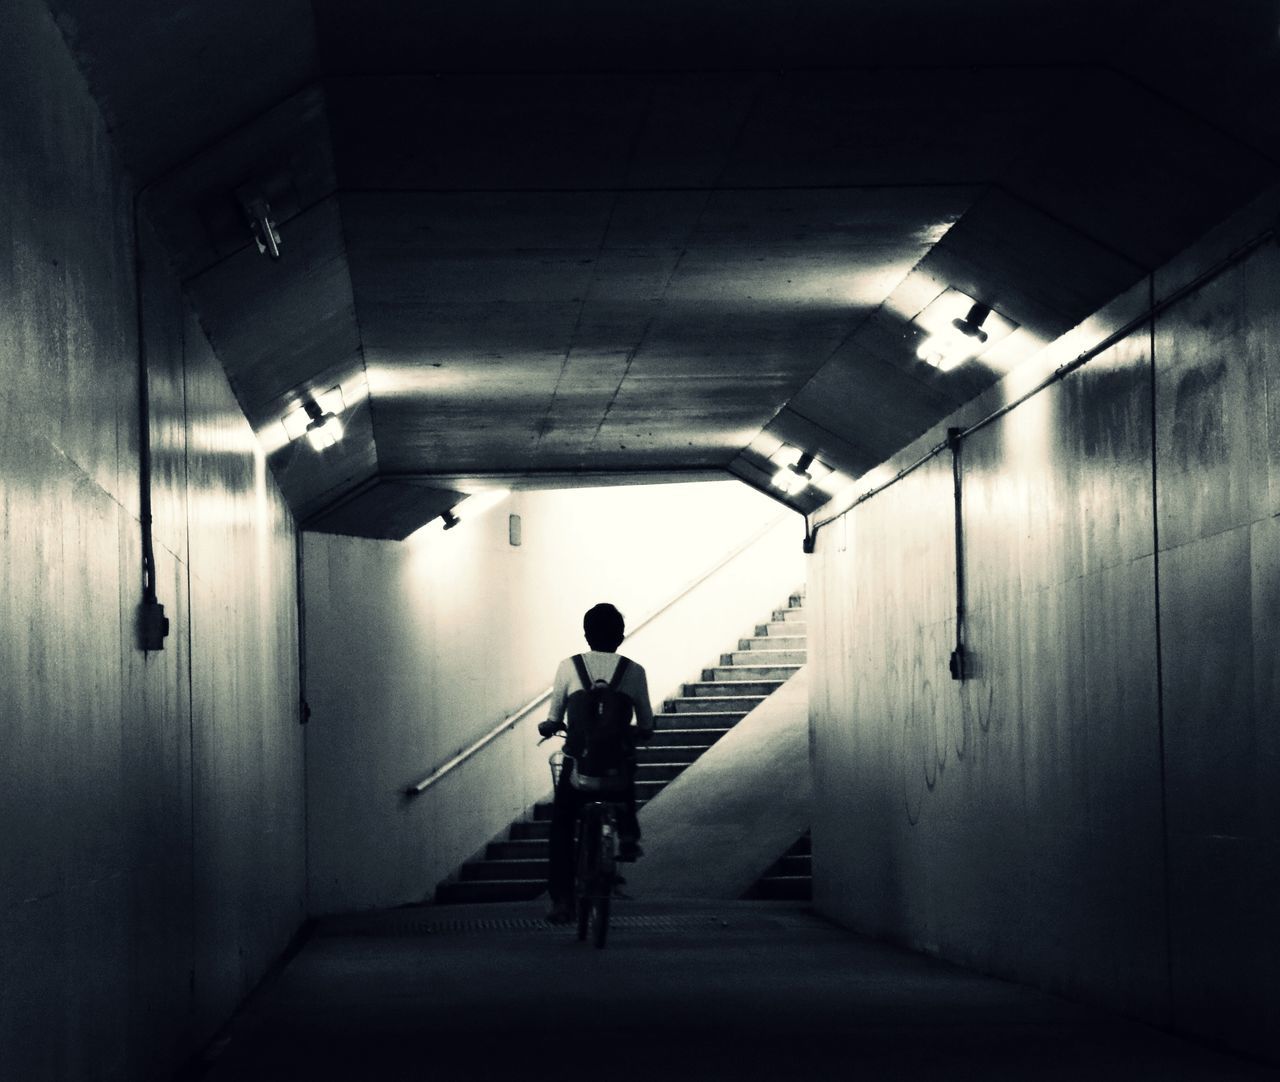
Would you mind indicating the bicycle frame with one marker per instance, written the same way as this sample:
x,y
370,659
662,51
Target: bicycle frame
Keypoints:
x,y
596,858
597,868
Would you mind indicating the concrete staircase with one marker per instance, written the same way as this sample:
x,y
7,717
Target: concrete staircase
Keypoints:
x,y
790,877
515,867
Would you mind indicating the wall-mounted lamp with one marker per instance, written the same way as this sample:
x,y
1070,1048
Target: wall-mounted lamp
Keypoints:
x,y
317,419
465,510
798,469
795,477
263,227
958,328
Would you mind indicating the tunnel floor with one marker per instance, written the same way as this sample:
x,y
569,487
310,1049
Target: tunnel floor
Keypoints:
x,y
737,990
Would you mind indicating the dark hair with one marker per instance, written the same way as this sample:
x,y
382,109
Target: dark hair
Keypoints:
x,y
602,624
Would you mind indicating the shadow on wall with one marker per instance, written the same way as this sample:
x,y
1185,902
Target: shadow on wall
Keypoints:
x,y
1093,811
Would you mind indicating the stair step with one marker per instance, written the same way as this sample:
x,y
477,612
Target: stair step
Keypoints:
x,y
735,706
700,739
488,890
516,868
780,888
530,830
659,771
765,658
731,672
505,869
803,846
704,716
685,755
786,628
774,642
522,849
792,865
719,689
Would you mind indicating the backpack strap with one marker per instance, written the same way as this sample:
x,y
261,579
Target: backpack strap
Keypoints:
x,y
618,672
580,664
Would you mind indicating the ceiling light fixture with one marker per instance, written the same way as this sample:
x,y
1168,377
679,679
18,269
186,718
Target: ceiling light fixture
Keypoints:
x,y
465,510
795,478
476,505
797,470
317,419
958,329
325,430
263,227
959,342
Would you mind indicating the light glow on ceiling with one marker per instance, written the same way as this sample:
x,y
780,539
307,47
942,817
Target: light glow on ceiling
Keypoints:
x,y
299,419
957,329
324,432
798,469
465,510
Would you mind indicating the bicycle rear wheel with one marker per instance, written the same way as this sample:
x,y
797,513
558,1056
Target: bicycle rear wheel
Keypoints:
x,y
588,856
599,920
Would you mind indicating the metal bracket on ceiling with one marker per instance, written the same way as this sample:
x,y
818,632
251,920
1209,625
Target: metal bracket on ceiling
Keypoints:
x,y
263,227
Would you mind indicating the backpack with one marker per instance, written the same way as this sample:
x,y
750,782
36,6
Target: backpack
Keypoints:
x,y
599,720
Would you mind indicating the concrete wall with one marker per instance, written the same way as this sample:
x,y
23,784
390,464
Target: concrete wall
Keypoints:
x,y
151,819
1098,811
415,650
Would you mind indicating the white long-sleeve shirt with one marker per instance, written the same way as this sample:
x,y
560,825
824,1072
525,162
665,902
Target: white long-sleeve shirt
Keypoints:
x,y
600,666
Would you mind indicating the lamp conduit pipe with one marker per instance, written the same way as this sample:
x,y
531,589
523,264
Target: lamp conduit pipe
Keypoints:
x,y
153,625
958,664
1154,309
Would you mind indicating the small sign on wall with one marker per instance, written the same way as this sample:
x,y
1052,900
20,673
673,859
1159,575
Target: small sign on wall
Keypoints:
x,y
513,530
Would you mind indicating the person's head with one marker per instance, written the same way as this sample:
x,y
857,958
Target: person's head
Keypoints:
x,y
603,627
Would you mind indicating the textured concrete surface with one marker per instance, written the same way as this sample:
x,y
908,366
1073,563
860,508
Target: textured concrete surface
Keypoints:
x,y
150,805
659,238
1122,710
733,991
713,831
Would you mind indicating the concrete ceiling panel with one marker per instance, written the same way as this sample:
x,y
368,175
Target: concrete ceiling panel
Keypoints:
x,y
662,219
175,76
871,403
506,35
842,454
1130,169
276,324
547,276
387,509
691,128
485,133
886,128
1218,62
674,35
566,240
285,154
312,480
424,223
408,337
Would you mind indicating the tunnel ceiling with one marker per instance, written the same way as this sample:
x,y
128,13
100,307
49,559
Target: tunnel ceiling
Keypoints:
x,y
538,243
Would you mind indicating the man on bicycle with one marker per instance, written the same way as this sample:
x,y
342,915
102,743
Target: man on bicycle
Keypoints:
x,y
602,666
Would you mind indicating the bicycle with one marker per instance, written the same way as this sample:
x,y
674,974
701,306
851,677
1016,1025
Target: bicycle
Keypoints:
x,y
596,862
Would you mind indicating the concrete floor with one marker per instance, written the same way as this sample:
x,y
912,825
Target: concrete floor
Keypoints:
x,y
728,991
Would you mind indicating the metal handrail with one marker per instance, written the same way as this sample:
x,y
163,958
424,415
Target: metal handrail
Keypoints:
x,y
511,720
